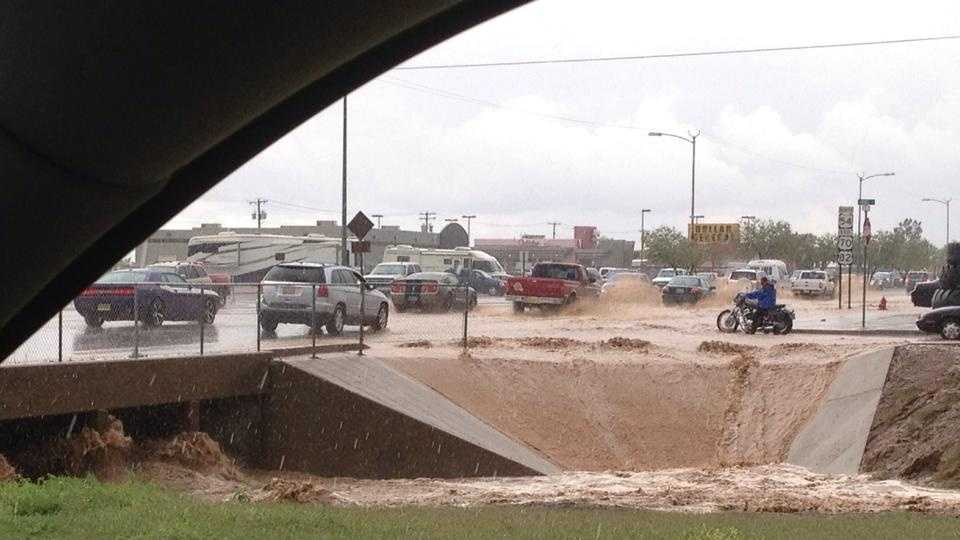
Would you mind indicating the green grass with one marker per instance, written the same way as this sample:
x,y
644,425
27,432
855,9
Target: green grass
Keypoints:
x,y
85,508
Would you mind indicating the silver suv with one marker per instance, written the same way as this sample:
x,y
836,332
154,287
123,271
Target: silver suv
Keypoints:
x,y
288,298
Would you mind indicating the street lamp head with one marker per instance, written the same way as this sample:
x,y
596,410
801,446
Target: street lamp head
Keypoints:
x,y
644,210
655,134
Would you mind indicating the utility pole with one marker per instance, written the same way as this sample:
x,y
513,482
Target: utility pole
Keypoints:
x,y
379,217
259,215
643,231
468,218
345,256
426,217
554,223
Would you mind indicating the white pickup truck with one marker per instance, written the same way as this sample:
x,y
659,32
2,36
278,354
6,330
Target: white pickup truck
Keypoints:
x,y
812,283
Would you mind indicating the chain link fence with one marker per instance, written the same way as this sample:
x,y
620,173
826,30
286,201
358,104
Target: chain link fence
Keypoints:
x,y
157,320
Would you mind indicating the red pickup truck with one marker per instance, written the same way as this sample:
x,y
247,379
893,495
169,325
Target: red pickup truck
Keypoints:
x,y
550,286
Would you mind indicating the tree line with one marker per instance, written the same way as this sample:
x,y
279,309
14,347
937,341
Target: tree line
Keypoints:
x,y
902,248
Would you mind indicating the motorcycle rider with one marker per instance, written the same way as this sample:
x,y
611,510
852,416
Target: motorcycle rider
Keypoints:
x,y
762,300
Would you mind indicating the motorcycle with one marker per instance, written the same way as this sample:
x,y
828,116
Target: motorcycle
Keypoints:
x,y
778,320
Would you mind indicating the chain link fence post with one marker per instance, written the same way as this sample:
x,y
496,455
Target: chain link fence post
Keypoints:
x,y
203,317
136,322
313,321
363,312
259,294
60,336
466,310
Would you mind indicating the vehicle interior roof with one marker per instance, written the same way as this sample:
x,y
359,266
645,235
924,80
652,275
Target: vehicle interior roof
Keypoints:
x,y
114,116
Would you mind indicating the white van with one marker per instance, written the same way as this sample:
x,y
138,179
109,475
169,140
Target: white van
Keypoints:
x,y
776,270
439,260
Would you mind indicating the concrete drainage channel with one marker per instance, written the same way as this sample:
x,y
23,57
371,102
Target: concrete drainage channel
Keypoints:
x,y
890,411
340,415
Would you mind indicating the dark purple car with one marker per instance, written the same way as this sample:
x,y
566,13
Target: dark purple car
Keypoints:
x,y
159,296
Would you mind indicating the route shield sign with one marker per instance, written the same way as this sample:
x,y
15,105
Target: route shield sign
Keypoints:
x,y
845,236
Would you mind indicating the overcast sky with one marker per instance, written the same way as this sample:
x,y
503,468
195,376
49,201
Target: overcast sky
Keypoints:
x,y
783,134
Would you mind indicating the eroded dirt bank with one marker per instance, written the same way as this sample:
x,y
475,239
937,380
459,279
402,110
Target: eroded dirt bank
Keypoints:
x,y
592,407
916,430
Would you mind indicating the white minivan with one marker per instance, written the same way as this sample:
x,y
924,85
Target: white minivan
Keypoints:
x,y
776,270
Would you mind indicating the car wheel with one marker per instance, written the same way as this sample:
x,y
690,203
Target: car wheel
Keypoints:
x,y
268,325
727,322
492,291
571,300
93,321
156,313
383,314
335,326
950,329
518,307
209,310
447,304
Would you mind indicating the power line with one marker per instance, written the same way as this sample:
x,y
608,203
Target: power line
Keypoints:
x,y
721,52
477,101
302,207
468,99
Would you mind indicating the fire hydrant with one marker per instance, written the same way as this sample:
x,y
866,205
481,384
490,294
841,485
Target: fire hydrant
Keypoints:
x,y
883,303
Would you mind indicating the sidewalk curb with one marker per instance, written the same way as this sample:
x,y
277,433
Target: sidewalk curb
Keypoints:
x,y
866,332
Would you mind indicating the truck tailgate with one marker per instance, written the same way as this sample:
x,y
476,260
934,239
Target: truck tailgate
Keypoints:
x,y
529,286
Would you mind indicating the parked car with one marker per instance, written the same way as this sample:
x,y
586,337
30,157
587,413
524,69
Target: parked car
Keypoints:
x,y
944,321
793,277
158,295
607,271
746,274
813,283
196,274
686,289
431,291
288,297
884,280
482,281
666,274
551,285
710,277
913,277
383,274
624,281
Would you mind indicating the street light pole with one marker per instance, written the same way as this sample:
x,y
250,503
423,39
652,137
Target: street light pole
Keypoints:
x,y
945,202
693,169
861,179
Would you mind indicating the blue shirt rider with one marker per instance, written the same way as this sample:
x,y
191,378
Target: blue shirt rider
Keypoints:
x,y
765,297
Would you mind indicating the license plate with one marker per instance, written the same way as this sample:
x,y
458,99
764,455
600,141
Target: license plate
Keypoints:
x,y
103,307
289,291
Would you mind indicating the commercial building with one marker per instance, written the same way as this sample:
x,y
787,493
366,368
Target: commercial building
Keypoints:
x,y
171,244
586,247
